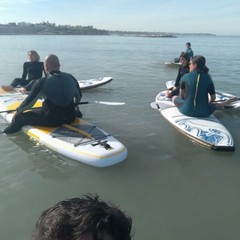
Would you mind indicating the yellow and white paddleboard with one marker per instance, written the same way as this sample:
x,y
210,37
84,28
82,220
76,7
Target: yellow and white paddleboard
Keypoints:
x,y
79,141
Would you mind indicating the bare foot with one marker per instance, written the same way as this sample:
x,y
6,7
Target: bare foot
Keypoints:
x,y
7,88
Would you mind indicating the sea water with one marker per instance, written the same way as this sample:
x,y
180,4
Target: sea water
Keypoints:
x,y
172,187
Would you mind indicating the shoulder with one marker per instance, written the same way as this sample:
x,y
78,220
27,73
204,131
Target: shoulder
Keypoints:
x,y
189,75
41,81
40,64
67,75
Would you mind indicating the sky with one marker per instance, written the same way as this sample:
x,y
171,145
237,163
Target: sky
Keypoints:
x,y
221,17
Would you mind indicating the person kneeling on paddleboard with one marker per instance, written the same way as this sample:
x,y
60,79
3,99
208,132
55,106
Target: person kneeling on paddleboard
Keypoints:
x,y
195,88
60,92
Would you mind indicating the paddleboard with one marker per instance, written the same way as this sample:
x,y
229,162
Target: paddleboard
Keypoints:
x,y
208,132
173,64
80,140
93,83
220,96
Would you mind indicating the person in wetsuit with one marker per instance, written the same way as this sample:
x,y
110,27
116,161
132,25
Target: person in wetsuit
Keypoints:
x,y
60,92
195,88
184,68
189,50
32,70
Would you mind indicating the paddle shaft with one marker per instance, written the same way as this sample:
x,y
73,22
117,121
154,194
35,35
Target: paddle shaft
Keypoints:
x,y
98,102
13,110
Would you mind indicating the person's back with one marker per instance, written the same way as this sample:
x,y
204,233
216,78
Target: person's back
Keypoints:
x,y
189,50
198,86
59,89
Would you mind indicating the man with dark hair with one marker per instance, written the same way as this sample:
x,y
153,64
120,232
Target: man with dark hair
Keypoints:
x,y
87,218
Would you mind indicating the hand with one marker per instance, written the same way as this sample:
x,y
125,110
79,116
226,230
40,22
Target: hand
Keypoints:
x,y
22,90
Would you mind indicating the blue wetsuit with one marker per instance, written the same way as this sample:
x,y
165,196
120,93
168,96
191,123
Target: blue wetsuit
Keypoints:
x,y
189,51
197,86
59,90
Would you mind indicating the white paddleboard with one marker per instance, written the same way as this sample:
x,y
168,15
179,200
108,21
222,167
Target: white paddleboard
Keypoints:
x,y
79,141
93,83
173,64
208,132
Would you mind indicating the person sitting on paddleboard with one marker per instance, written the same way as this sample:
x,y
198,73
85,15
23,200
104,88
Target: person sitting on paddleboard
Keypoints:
x,y
188,50
184,68
60,92
195,88
32,70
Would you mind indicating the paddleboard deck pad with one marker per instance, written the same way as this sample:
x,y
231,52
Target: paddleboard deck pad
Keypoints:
x,y
93,83
208,132
79,140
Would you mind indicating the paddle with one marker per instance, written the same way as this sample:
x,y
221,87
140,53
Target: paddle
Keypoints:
x,y
89,102
154,105
78,130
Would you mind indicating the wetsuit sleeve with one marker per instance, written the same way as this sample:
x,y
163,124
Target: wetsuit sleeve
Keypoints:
x,y
78,93
24,75
28,87
211,89
178,78
34,95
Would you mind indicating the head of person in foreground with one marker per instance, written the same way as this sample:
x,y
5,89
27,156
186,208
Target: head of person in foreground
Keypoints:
x,y
87,218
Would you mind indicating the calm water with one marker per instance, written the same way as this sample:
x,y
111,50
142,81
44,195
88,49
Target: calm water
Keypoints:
x,y
172,188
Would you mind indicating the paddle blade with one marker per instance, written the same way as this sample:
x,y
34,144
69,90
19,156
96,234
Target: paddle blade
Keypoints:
x,y
154,105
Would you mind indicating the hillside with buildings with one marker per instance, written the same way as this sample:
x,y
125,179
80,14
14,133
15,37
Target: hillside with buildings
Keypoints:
x,y
46,28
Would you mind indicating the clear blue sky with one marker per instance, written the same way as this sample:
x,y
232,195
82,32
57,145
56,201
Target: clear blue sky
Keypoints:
x,y
220,17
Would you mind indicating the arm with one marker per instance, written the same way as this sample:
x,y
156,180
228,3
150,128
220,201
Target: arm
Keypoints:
x,y
178,78
24,75
212,98
183,90
29,86
78,93
34,95
211,91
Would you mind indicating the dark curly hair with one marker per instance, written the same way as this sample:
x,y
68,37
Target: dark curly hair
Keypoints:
x,y
76,218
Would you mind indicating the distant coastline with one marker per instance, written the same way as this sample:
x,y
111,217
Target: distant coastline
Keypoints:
x,y
46,28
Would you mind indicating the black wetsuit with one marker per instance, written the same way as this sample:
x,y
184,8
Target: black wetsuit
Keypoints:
x,y
59,90
181,71
31,71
